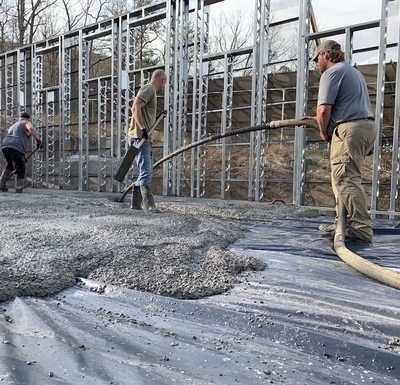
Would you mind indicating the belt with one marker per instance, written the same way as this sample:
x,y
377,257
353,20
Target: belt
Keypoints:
x,y
353,120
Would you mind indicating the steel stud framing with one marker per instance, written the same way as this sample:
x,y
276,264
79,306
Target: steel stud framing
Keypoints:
x,y
84,118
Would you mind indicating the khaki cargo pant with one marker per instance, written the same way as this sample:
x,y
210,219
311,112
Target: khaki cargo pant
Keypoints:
x,y
350,144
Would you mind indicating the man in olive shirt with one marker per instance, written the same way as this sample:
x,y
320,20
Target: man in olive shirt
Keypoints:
x,y
144,112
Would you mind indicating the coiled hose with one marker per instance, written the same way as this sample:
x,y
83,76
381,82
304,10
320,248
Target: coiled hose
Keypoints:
x,y
368,268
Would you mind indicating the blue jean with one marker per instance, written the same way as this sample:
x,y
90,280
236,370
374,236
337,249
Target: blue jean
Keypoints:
x,y
144,160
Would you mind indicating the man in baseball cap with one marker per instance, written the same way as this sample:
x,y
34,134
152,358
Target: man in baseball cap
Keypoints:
x,y
346,120
325,46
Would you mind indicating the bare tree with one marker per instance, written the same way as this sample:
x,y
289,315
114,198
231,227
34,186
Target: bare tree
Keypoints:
x,y
7,23
234,30
20,21
230,31
31,18
73,15
52,27
119,7
93,11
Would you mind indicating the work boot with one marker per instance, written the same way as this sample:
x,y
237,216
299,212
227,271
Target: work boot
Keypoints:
x,y
147,199
4,178
19,185
136,202
350,235
327,228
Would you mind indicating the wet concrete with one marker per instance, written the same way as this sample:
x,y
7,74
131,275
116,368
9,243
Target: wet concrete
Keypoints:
x,y
49,238
204,292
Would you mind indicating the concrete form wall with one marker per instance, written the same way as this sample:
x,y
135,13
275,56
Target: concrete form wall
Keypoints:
x,y
84,118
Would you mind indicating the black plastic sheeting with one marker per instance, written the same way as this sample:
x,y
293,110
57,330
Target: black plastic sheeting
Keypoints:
x,y
302,237
308,318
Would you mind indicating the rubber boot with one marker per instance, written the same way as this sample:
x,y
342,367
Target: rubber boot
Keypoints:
x,y
4,178
136,202
147,199
19,185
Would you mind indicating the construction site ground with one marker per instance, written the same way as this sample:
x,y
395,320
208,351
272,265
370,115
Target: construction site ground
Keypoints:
x,y
204,292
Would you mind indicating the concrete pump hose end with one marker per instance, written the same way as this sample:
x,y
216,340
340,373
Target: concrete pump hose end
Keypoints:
x,y
311,123
371,270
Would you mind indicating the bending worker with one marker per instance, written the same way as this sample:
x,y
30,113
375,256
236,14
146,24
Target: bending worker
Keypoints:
x,y
345,118
15,146
144,112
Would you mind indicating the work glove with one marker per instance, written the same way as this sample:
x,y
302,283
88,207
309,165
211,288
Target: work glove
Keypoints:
x,y
39,144
145,135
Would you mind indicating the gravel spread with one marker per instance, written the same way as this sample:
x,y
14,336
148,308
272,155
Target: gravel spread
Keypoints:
x,y
50,238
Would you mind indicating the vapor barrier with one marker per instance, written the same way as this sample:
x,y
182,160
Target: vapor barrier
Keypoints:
x,y
307,318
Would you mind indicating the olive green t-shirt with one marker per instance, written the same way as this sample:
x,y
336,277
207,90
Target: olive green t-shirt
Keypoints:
x,y
148,94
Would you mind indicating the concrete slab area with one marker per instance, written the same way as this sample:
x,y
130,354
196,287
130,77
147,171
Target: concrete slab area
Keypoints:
x,y
305,318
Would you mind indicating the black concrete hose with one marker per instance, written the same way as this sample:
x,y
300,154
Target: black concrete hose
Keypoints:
x,y
268,126
365,267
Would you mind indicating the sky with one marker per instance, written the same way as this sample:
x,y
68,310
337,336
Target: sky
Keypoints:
x,y
330,15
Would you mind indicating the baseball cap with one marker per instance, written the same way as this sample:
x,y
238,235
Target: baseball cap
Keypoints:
x,y
326,45
24,115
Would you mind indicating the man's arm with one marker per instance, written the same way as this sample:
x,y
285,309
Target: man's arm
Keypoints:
x,y
31,130
323,118
136,109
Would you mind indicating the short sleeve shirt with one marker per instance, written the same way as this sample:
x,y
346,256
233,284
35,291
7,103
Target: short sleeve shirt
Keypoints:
x,y
345,89
148,94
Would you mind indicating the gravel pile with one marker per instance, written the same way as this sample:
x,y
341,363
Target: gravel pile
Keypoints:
x,y
49,238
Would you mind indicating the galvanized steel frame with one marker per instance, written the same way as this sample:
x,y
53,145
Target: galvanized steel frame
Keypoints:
x,y
299,168
259,105
174,177
65,109
226,126
199,107
394,186
21,86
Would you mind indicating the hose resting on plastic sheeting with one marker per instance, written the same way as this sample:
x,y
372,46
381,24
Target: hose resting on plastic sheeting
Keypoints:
x,y
268,126
371,270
